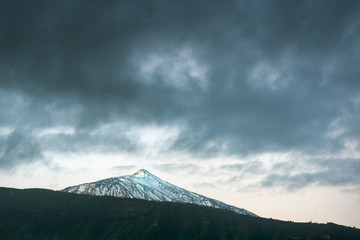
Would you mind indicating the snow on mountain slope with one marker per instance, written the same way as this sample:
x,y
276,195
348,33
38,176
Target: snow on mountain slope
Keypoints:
x,y
144,185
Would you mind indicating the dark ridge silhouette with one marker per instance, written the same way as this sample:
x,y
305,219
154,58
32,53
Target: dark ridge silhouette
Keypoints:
x,y
45,214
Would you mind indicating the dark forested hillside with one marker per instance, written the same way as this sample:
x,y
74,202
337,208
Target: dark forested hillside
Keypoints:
x,y
46,214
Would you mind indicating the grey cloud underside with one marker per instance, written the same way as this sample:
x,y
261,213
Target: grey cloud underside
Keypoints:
x,y
293,175
336,172
276,75
17,148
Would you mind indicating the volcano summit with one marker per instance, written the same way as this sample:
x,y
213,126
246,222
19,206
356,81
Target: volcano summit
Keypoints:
x,y
144,185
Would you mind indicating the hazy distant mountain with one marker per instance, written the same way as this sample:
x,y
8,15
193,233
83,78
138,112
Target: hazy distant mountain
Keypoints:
x,y
144,185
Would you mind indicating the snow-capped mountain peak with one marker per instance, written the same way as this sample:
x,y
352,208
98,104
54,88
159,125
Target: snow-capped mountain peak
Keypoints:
x,y
144,185
142,173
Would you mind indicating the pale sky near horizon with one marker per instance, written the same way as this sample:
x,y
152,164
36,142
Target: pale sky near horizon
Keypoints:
x,y
253,103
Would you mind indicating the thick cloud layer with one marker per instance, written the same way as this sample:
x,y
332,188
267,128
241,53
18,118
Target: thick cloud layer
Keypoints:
x,y
236,78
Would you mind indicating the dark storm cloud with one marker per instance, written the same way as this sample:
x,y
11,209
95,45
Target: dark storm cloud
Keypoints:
x,y
239,77
85,142
18,148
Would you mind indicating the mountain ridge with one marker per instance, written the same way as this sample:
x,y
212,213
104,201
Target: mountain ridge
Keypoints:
x,y
46,214
144,185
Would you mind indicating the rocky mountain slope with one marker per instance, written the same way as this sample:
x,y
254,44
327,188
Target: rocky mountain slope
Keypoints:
x,y
144,185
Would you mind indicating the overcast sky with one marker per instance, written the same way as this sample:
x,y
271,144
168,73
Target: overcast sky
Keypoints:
x,y
254,103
